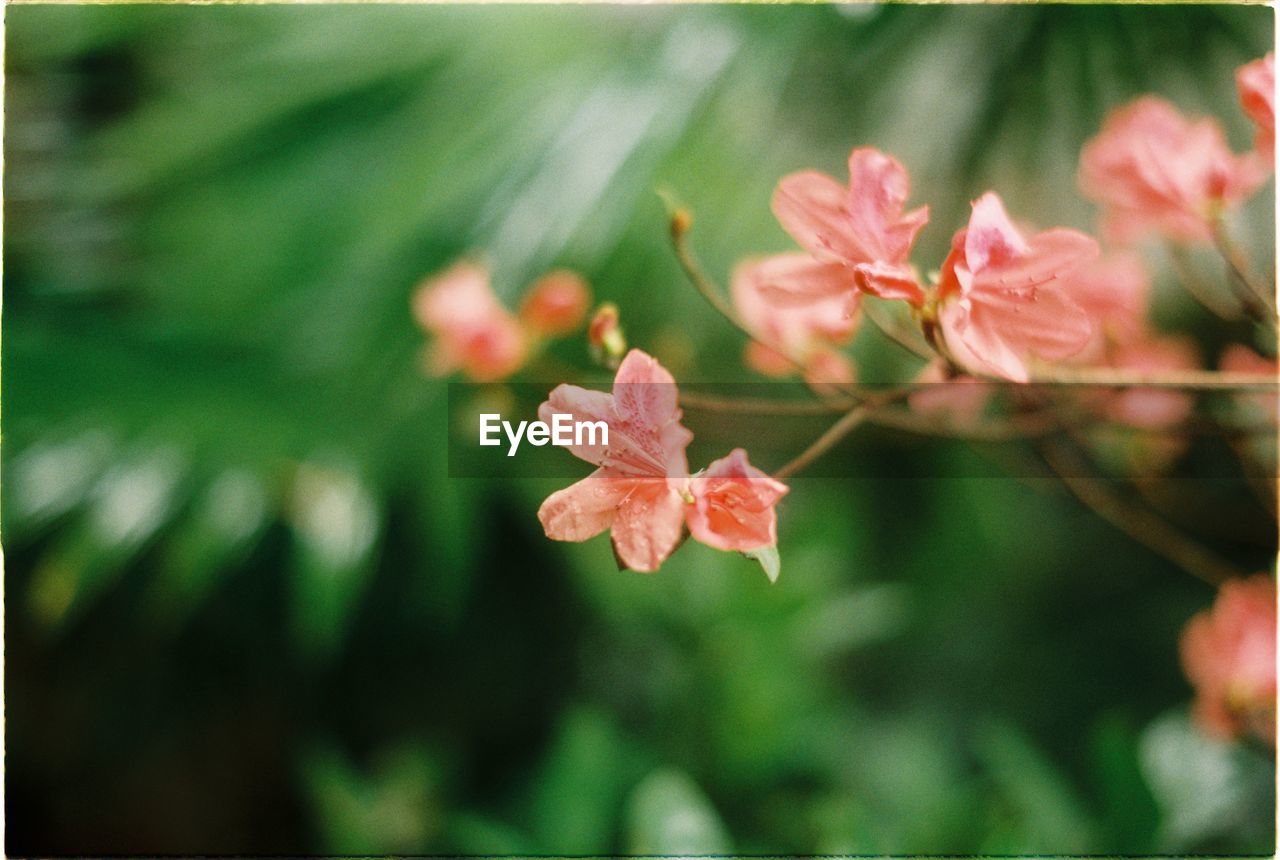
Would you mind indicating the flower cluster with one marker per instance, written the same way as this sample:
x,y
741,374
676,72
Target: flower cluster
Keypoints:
x,y
1008,304
1007,297
475,334
642,491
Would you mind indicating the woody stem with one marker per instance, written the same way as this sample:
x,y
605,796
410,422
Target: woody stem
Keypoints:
x,y
1186,380
708,290
1137,521
826,441
842,428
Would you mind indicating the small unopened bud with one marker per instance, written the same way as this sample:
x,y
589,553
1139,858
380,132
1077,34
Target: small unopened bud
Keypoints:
x,y
556,303
604,336
1216,184
681,221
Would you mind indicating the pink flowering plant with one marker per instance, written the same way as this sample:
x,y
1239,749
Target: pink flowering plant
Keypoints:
x,y
1043,334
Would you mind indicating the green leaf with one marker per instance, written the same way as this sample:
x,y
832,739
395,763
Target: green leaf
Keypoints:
x,y
769,560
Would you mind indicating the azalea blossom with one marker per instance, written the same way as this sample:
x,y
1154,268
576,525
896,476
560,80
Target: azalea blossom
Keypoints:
x,y
641,491
1115,291
1154,170
556,303
636,491
473,332
733,505
1152,407
828,369
1256,83
1000,297
961,399
791,333
858,238
1229,655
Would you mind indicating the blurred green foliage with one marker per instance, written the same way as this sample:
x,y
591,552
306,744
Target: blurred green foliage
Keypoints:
x,y
248,610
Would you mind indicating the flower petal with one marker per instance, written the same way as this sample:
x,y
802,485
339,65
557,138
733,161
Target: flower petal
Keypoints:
x,y
991,238
648,524
796,279
978,348
585,509
1256,84
650,439
889,282
582,405
811,207
878,191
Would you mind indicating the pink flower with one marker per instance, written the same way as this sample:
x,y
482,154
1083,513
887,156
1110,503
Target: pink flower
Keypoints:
x,y
804,331
1256,83
1000,296
1229,655
828,369
1152,408
636,492
858,237
641,491
473,332
733,505
1115,292
556,304
960,398
1154,170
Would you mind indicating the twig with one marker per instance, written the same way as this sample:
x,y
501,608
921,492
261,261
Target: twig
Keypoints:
x,y
1190,380
826,441
680,221
850,420
1139,522
1016,427
761,406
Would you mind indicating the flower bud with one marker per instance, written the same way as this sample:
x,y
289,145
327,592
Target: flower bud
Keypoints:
x,y
681,221
556,303
604,336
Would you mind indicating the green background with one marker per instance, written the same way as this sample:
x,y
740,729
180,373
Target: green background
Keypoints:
x,y
249,611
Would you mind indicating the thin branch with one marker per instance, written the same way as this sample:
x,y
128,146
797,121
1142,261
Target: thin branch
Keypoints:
x,y
1028,426
1023,426
1138,522
842,428
1015,427
680,221
826,441
760,405
1189,380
